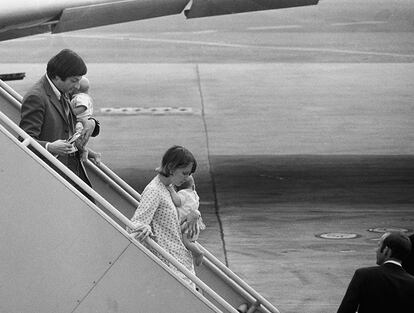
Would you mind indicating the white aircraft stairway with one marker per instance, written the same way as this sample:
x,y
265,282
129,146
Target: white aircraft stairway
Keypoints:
x,y
63,253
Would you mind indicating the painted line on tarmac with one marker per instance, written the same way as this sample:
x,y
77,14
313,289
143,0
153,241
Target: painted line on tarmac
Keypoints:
x,y
274,27
208,31
149,111
360,23
231,45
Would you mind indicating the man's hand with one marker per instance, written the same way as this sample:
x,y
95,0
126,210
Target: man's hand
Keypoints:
x,y
88,127
59,147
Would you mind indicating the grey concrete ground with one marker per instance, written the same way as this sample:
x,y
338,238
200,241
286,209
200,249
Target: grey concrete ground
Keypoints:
x,y
301,121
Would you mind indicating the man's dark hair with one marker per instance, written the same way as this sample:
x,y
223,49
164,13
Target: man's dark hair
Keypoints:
x,y
399,244
65,64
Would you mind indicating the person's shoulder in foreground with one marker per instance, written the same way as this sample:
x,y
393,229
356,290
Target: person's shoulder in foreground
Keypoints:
x,y
386,287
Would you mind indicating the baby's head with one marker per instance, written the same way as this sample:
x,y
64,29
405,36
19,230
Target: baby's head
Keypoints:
x,y
187,184
83,86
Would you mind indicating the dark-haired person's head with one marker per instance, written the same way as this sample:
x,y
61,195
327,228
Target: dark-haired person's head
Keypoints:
x,y
177,165
65,64
177,157
393,245
66,69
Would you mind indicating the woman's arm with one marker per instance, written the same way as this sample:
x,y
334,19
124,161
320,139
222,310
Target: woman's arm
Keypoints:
x,y
144,213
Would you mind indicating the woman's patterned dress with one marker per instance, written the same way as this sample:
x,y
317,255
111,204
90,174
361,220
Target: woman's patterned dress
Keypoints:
x,y
157,210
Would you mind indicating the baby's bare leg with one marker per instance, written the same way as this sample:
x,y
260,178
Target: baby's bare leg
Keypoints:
x,y
95,156
195,250
85,154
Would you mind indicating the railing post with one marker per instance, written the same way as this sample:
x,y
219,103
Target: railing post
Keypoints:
x,y
26,142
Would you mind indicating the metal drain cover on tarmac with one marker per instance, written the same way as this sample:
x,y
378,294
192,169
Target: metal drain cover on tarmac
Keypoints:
x,y
337,236
388,229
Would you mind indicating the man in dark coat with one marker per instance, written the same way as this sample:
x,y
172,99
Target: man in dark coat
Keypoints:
x,y
385,288
46,114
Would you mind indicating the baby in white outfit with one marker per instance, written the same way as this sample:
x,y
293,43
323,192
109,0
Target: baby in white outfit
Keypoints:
x,y
186,200
82,106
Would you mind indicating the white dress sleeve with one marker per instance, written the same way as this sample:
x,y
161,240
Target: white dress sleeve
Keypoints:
x,y
148,205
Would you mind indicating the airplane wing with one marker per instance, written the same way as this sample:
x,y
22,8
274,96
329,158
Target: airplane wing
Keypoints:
x,y
19,18
201,8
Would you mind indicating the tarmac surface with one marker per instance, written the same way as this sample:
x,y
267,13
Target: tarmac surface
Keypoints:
x,y
301,120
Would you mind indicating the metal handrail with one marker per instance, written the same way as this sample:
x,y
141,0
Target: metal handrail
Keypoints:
x,y
249,298
30,141
119,181
256,296
13,93
134,197
97,169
